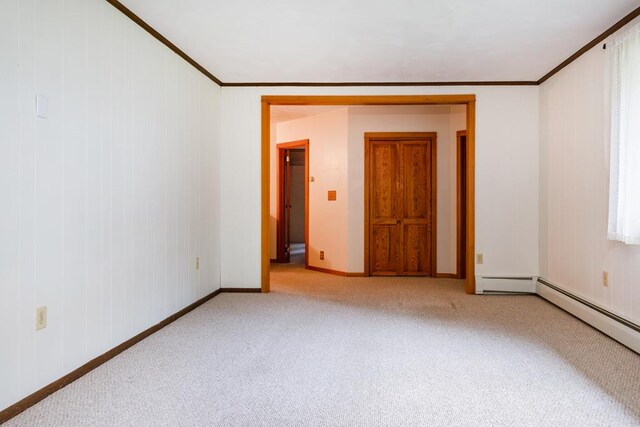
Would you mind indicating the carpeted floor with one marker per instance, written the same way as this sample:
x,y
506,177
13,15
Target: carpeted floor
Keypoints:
x,y
326,350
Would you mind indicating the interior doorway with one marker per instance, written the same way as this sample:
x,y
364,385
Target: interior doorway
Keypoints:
x,y
468,100
461,202
293,202
400,204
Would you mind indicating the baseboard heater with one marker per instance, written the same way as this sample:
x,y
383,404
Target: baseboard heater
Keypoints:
x,y
505,285
618,328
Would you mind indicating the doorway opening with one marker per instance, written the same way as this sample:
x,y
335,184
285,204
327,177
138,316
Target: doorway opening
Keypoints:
x,y
461,202
293,202
468,101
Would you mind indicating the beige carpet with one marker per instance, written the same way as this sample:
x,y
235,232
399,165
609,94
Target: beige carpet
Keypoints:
x,y
326,350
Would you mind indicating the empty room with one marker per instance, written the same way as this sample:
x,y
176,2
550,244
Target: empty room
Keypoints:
x,y
319,213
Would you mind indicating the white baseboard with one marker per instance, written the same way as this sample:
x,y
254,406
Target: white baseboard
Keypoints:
x,y
620,329
512,285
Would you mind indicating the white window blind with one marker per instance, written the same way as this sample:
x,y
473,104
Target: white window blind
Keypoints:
x,y
624,183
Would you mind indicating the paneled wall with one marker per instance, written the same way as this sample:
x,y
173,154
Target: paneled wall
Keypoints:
x,y
574,250
107,202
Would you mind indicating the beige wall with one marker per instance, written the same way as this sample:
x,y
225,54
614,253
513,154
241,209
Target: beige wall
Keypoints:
x,y
327,135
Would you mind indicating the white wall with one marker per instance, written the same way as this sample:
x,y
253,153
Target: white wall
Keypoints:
x,y
328,229
105,203
574,250
507,131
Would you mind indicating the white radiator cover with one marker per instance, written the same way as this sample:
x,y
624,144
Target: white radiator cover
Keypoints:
x,y
621,330
616,327
494,284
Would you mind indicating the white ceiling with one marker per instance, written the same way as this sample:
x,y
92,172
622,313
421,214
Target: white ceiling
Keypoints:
x,y
380,40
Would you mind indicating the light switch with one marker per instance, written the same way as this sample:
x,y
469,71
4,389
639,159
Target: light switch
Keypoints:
x,y
331,195
42,106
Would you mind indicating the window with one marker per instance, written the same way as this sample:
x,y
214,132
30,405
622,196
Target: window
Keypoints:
x,y
624,183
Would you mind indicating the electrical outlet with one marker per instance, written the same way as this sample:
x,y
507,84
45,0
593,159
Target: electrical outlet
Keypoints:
x,y
41,317
198,263
321,254
479,258
605,278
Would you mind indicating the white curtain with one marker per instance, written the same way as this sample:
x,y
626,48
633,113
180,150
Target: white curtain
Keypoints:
x,y
624,183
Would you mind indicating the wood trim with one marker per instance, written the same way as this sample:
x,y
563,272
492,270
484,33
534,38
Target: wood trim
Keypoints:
x,y
468,100
400,136
356,84
162,39
241,290
615,27
460,215
302,143
58,384
335,272
446,276
470,281
434,205
265,219
366,99
367,218
307,173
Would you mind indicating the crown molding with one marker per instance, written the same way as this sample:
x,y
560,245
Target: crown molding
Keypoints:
x,y
355,84
162,39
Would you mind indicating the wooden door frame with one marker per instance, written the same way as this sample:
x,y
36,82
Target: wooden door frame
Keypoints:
x,y
268,100
402,136
460,249
280,148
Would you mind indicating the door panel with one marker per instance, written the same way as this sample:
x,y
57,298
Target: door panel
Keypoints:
x,y
417,179
417,253
385,250
386,204
386,178
416,220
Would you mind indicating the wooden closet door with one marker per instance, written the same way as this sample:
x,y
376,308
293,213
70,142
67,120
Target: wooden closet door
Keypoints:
x,y
385,232
416,208
401,181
